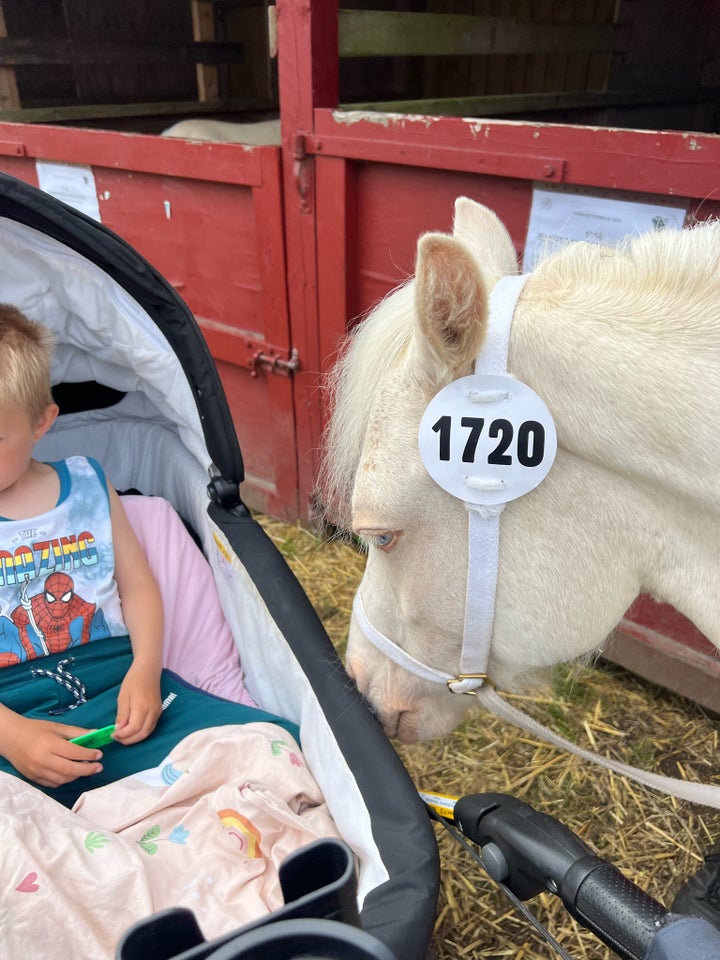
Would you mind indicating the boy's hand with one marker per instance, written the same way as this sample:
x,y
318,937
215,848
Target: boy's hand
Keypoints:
x,y
42,752
139,706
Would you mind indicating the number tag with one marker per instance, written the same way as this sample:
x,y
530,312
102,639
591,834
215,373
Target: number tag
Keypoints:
x,y
487,439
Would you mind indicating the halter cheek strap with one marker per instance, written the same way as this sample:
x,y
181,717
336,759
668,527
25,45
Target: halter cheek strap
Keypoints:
x,y
392,651
483,533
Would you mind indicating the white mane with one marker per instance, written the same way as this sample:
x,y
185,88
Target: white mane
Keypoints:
x,y
373,346
661,267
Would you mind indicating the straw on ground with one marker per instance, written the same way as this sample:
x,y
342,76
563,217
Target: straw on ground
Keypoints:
x,y
656,840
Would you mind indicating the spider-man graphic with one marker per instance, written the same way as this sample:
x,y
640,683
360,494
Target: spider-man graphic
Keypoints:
x,y
55,619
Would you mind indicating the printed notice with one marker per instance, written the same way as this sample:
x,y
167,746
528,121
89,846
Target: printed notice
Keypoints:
x,y
71,183
560,217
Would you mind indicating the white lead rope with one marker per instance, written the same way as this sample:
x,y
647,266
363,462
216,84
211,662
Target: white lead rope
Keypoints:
x,y
707,794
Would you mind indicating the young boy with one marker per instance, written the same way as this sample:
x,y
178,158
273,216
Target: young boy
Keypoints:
x,y
71,568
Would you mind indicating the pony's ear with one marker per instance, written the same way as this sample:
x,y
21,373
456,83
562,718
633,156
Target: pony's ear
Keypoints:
x,y
451,308
480,229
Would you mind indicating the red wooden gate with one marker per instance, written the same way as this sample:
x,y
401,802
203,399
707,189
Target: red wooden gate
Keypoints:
x,y
209,217
360,188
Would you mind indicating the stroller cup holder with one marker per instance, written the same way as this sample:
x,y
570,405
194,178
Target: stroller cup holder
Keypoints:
x,y
319,918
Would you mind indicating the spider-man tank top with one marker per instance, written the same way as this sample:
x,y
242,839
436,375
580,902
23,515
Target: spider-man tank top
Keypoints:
x,y
56,570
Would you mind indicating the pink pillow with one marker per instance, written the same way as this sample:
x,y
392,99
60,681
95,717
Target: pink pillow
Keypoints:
x,y
197,642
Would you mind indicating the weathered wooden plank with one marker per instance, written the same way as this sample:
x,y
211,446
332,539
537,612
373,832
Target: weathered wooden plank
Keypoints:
x,y
9,97
136,154
254,77
25,51
78,112
501,104
380,33
203,21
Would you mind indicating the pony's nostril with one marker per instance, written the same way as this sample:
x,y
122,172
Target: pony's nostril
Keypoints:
x,y
368,704
406,731
390,725
371,707
358,677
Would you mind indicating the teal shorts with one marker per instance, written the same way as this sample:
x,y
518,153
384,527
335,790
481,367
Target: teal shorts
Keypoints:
x,y
100,667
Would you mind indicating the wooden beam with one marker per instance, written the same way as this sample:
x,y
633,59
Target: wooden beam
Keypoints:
x,y
497,105
25,51
203,21
667,662
379,33
9,96
108,111
643,161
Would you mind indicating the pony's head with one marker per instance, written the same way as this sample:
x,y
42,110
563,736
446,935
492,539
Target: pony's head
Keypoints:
x,y
424,335
570,557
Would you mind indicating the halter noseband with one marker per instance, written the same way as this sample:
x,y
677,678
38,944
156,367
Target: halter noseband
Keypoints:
x,y
483,536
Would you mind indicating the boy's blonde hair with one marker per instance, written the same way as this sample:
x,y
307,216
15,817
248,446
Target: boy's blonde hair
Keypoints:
x,y
25,355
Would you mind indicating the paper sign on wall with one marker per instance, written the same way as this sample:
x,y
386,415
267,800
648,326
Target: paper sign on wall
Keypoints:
x,y
558,217
72,183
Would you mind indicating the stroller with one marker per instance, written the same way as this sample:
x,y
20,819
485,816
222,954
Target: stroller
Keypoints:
x,y
138,390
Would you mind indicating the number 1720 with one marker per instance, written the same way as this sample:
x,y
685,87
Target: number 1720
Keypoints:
x,y
529,446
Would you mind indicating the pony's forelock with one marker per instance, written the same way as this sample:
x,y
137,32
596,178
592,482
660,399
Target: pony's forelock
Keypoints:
x,y
369,351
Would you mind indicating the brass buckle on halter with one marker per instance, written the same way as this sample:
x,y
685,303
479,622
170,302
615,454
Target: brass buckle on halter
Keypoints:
x,y
469,676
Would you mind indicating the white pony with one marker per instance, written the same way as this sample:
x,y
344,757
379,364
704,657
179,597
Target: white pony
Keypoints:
x,y
623,345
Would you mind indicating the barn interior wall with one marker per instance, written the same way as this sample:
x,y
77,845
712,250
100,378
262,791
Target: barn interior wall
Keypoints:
x,y
663,70
86,21
53,81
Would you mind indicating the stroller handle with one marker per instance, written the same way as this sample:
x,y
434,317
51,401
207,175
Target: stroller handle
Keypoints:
x,y
617,911
529,852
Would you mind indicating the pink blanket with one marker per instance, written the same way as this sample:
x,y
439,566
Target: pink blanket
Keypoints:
x,y
206,829
191,602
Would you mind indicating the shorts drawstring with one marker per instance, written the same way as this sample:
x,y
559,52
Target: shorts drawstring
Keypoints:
x,y
67,680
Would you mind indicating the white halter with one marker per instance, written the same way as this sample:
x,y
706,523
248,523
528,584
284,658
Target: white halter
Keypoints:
x,y
483,535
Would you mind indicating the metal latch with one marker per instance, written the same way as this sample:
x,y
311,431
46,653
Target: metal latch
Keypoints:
x,y
274,363
248,349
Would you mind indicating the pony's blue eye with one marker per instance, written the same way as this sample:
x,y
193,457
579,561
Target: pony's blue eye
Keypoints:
x,y
383,539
